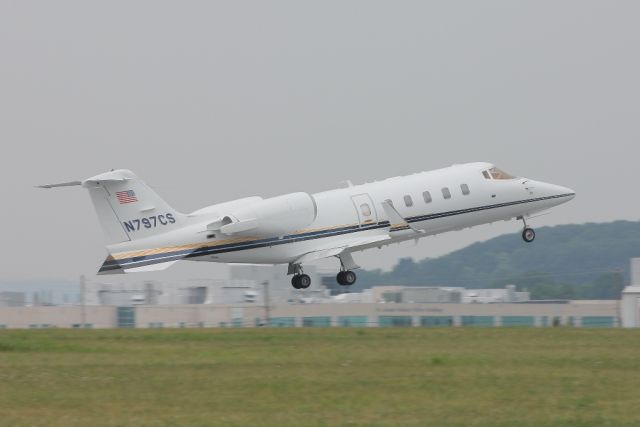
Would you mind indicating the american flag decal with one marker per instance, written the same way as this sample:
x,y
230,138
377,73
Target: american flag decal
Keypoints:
x,y
126,197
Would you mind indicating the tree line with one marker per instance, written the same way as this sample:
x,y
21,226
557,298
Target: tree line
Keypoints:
x,y
587,261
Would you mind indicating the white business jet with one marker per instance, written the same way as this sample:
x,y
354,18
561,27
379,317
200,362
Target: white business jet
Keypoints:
x,y
144,233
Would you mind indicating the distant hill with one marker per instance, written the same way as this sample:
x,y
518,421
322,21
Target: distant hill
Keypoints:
x,y
565,261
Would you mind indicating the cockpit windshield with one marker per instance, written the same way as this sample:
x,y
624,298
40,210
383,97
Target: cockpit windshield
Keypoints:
x,y
495,173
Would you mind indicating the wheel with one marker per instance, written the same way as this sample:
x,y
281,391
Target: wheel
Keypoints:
x,y
350,277
304,281
528,235
295,281
346,278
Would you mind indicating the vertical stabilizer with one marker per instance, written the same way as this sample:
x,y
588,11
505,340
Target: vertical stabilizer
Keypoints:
x,y
127,208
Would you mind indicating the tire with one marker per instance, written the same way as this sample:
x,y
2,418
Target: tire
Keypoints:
x,y
295,281
350,278
346,278
304,281
528,235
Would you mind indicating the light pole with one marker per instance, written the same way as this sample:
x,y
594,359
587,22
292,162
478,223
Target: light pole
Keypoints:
x,y
83,296
266,302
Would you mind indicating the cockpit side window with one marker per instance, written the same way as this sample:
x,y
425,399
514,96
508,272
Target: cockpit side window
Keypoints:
x,y
486,174
499,174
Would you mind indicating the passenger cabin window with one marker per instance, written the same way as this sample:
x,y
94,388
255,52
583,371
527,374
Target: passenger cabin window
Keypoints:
x,y
365,209
446,193
465,189
408,201
390,202
427,197
499,174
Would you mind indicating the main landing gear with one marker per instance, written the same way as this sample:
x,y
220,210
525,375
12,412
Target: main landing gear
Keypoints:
x,y
346,278
528,234
301,281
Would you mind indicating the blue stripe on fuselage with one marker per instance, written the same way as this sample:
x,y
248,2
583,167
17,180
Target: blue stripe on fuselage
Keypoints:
x,y
293,238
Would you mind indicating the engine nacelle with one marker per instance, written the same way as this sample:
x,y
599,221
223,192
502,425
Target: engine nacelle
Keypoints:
x,y
275,216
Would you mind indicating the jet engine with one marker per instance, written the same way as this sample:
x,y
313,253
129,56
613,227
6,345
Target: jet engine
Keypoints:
x,y
275,216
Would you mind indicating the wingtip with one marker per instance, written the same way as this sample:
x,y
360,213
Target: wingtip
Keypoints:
x,y
62,184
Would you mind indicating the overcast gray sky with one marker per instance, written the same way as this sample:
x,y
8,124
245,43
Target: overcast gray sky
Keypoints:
x,y
211,101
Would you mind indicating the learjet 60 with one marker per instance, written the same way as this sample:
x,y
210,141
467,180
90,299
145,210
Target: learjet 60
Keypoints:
x,y
144,233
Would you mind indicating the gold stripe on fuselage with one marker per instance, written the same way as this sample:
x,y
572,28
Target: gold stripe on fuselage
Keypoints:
x,y
195,246
313,230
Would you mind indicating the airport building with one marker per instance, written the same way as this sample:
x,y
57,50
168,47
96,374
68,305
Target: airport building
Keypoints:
x,y
262,296
13,299
571,313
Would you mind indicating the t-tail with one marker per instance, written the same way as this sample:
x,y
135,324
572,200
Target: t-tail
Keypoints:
x,y
128,211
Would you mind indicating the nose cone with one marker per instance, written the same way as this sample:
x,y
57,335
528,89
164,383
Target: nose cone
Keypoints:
x,y
566,192
557,192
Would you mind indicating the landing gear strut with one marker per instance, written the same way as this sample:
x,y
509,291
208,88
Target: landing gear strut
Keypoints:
x,y
528,234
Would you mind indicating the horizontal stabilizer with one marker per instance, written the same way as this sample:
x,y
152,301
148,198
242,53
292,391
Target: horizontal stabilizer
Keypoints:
x,y
111,177
62,184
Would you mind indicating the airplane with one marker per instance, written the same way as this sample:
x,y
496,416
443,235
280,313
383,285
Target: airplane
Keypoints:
x,y
144,233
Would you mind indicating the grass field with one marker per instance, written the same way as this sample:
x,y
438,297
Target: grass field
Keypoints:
x,y
320,377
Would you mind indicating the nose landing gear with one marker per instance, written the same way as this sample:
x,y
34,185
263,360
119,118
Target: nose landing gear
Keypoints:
x,y
528,234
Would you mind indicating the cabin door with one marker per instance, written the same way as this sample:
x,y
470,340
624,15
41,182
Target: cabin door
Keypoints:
x,y
367,214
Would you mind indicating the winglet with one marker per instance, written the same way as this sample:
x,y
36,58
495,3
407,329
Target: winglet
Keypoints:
x,y
396,221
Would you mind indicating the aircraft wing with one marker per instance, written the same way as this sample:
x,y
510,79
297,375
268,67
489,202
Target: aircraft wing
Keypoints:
x,y
349,245
398,226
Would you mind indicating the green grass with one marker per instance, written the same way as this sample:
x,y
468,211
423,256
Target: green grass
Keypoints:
x,y
320,377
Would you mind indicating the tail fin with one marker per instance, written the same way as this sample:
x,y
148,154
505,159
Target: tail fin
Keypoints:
x,y
127,208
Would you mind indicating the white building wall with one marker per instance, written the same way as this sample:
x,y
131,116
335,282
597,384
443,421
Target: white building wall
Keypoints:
x,y
630,307
635,271
211,315
58,316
